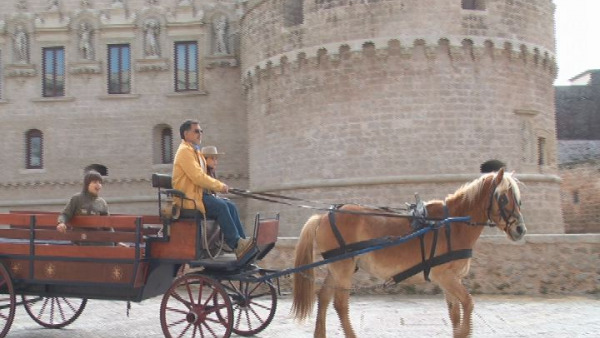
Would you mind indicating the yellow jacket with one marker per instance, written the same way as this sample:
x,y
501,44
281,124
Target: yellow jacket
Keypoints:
x,y
189,176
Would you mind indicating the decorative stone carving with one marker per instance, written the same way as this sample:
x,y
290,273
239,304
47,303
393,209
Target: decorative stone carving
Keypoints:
x,y
86,68
86,47
21,5
220,26
20,45
52,6
20,70
151,34
152,65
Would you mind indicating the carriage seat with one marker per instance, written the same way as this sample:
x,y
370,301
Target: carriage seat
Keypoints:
x,y
164,184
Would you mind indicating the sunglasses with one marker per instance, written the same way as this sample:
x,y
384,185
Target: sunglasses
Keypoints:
x,y
198,131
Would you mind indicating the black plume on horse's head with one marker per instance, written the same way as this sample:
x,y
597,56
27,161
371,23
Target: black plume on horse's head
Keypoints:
x,y
491,166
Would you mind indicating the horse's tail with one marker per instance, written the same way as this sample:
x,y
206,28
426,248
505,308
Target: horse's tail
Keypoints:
x,y
304,285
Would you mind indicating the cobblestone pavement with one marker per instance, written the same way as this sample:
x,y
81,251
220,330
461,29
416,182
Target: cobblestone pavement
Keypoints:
x,y
372,316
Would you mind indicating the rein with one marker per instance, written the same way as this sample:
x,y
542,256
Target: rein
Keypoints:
x,y
274,198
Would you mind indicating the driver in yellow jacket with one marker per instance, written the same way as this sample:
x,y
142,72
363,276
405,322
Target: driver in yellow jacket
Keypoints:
x,y
190,176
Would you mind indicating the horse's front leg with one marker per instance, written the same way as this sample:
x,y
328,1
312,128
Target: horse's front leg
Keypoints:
x,y
455,289
453,310
324,298
457,298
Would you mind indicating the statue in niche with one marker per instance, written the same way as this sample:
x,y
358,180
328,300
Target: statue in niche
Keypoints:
x,y
220,27
52,5
151,31
21,5
86,49
20,45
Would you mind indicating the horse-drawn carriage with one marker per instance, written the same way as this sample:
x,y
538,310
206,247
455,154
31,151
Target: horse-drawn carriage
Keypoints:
x,y
54,274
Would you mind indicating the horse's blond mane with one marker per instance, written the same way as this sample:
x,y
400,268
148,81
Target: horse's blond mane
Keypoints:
x,y
472,190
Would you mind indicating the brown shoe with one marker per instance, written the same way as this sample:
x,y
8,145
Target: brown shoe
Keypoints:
x,y
243,245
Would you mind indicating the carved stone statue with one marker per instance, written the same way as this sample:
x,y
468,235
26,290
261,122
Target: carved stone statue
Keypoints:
x,y
21,5
151,47
86,48
220,27
20,45
52,5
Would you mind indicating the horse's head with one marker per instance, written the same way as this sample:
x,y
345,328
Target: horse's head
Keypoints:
x,y
505,205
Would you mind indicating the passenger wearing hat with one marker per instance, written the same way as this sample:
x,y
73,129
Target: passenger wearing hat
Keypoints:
x,y
212,156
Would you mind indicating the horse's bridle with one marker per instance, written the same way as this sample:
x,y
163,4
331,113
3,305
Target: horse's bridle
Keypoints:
x,y
502,201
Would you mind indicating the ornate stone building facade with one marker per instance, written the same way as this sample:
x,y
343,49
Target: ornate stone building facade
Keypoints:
x,y
338,101
108,82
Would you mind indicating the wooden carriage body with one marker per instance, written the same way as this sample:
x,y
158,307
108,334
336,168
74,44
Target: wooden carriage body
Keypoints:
x,y
133,261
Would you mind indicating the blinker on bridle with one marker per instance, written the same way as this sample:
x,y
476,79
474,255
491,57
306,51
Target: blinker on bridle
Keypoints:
x,y
502,201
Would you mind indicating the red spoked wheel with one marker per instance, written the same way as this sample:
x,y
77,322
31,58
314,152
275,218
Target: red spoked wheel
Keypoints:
x,y
8,302
254,305
196,306
53,312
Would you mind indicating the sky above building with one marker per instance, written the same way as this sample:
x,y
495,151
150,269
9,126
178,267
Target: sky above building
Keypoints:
x,y
577,43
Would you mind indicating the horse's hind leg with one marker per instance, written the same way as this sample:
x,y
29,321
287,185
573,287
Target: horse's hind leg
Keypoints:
x,y
343,272
324,298
340,303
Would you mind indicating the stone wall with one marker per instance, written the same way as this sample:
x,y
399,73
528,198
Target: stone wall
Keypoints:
x,y
579,196
538,265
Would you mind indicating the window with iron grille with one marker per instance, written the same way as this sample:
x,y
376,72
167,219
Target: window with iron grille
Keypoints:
x,y
541,151
53,72
35,151
119,69
186,66
166,145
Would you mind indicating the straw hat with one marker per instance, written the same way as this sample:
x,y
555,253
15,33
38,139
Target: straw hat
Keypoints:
x,y
210,151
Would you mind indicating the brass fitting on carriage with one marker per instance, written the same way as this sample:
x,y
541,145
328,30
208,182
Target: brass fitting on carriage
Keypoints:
x,y
170,210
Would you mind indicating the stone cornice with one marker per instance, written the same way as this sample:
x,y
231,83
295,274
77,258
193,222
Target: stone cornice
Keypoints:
x,y
407,43
122,180
38,183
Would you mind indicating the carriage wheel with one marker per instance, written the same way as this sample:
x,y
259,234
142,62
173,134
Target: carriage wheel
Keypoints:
x,y
53,312
254,305
8,302
196,306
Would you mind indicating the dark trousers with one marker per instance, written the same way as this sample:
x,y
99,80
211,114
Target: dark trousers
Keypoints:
x,y
225,213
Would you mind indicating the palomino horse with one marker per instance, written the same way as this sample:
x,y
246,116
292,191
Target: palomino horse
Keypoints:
x,y
493,198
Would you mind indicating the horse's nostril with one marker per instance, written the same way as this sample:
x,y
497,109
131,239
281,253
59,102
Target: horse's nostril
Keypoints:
x,y
520,230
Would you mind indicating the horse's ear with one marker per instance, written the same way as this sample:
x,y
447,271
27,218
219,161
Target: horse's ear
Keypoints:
x,y
499,176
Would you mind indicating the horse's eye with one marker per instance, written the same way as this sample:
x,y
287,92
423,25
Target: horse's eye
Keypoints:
x,y
503,200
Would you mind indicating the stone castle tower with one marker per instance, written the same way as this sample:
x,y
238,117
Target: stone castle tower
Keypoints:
x,y
364,101
371,101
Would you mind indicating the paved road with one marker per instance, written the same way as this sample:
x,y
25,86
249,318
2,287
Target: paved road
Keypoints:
x,y
372,316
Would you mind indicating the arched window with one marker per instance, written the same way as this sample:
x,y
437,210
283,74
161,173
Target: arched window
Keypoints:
x,y
34,143
166,145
